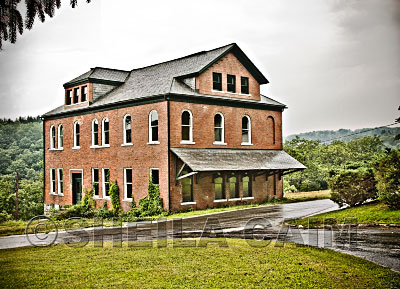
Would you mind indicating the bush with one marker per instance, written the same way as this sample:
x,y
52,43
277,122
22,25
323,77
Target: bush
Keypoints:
x,y
152,205
387,170
114,193
352,187
4,217
288,188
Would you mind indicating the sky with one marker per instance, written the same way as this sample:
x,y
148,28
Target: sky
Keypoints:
x,y
335,64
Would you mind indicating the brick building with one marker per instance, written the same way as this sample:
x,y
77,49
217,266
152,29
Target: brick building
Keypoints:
x,y
198,125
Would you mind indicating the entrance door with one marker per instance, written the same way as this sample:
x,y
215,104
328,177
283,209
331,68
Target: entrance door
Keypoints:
x,y
76,188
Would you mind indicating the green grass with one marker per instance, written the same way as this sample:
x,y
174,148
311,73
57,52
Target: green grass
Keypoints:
x,y
237,266
18,227
373,214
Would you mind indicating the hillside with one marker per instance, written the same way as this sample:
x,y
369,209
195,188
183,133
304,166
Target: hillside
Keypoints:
x,y
387,135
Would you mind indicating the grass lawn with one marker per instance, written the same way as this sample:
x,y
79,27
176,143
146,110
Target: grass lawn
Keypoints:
x,y
373,213
237,266
18,227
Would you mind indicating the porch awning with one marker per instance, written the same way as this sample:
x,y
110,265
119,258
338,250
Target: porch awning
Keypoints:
x,y
202,160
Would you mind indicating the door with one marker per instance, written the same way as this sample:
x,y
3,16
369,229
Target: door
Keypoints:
x,y
76,188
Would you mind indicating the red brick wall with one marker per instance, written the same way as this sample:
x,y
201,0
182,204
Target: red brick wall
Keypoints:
x,y
228,64
140,156
203,126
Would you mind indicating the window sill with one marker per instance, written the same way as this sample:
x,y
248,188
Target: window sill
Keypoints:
x,y
127,144
187,142
61,194
127,200
53,194
245,94
76,148
97,198
73,104
248,198
188,203
220,143
107,198
235,199
105,146
153,143
246,144
56,149
220,201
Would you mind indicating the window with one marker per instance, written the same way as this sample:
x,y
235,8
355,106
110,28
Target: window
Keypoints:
x,y
187,191
127,129
247,193
231,83
60,136
217,81
155,176
218,128
76,95
233,187
60,181
219,188
95,132
106,132
153,127
187,126
69,97
76,134
106,182
52,137
246,130
244,81
128,184
52,181
84,93
95,181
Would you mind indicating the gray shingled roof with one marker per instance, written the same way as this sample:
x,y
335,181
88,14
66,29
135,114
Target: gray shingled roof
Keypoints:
x,y
101,73
201,160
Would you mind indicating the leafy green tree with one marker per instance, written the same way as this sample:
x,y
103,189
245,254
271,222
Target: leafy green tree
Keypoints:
x,y
152,205
387,170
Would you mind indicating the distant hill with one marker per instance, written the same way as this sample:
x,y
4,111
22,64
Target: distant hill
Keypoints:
x,y
387,135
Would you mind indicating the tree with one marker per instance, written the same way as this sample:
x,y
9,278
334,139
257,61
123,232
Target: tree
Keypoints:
x,y
11,20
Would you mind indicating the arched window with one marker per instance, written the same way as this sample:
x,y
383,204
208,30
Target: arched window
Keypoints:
x,y
187,126
247,189
246,130
219,189
233,187
187,188
52,137
127,129
95,132
218,128
271,130
153,127
60,137
77,130
105,140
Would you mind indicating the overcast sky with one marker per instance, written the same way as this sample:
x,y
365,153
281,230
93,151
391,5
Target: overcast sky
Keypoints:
x,y
335,64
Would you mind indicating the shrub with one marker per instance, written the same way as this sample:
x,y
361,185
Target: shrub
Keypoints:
x,y
387,171
352,187
4,217
114,193
151,205
288,188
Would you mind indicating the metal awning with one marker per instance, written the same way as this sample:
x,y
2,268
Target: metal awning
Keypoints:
x,y
209,160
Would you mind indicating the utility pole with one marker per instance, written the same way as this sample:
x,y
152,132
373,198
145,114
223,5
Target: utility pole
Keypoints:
x,y
16,198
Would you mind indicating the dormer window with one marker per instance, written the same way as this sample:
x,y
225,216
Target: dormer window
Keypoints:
x,y
84,93
231,83
217,81
76,95
69,97
244,85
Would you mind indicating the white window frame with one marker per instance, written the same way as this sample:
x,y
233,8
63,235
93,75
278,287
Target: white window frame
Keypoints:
x,y
190,141
151,173
98,183
103,144
93,122
124,131
52,140
151,141
249,143
52,181
103,184
75,147
59,138
60,182
222,142
126,185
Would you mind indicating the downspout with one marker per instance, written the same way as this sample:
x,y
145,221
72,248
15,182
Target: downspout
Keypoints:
x,y
44,163
169,160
